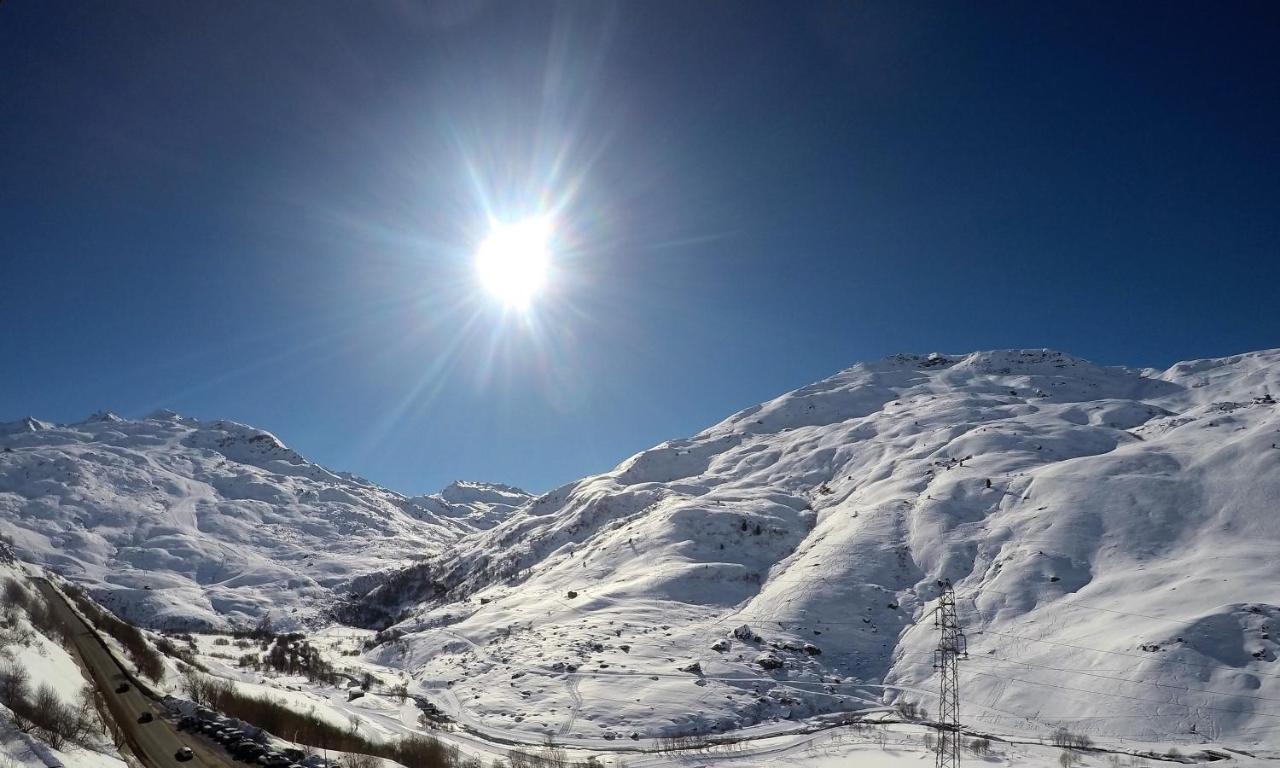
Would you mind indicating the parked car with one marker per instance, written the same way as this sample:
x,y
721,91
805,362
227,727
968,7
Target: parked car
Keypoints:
x,y
183,755
146,717
295,754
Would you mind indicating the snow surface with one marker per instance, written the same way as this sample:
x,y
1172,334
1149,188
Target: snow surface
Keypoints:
x,y
176,523
1110,533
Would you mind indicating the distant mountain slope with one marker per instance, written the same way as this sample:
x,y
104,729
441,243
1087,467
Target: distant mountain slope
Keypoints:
x,y
174,522
1111,533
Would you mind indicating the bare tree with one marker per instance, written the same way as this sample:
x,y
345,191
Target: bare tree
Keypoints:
x,y
15,691
15,593
357,760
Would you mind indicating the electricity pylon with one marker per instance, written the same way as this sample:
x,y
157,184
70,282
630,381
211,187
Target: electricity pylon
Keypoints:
x,y
951,649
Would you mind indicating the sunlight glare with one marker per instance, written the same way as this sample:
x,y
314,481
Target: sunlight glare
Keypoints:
x,y
512,261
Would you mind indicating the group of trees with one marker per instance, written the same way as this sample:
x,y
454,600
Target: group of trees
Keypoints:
x,y
44,713
291,655
18,599
41,711
307,728
145,657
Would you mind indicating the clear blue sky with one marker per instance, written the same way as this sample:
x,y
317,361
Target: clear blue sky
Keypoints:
x,y
266,211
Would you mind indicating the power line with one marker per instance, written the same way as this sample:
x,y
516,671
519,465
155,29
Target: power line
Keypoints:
x,y
1155,684
1121,696
1122,653
1074,604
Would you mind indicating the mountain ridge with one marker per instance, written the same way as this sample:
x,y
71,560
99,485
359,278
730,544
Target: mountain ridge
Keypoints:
x,y
1109,532
174,522
780,564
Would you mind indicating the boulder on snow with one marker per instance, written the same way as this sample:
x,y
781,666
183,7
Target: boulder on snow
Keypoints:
x,y
745,634
720,646
812,649
694,667
768,660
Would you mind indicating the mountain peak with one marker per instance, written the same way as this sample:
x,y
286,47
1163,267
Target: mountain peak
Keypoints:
x,y
25,424
467,491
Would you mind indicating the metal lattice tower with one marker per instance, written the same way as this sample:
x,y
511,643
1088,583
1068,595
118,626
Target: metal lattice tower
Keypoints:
x,y
951,649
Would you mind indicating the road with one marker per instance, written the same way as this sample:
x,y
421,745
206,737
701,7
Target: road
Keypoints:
x,y
153,743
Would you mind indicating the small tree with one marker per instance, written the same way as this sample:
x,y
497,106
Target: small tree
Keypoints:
x,y
357,760
265,628
15,684
16,594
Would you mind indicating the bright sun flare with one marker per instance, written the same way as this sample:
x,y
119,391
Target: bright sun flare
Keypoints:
x,y
512,261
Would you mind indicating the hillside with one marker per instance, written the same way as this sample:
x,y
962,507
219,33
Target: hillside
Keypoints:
x,y
1110,532
173,522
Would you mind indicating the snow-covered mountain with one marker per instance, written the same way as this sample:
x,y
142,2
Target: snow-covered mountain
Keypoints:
x,y
1111,534
174,522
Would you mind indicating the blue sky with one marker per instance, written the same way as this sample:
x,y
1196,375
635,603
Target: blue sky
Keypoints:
x,y
267,211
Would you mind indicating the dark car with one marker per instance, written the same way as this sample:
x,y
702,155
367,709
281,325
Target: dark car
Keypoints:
x,y
146,717
122,688
277,760
183,755
296,755
187,721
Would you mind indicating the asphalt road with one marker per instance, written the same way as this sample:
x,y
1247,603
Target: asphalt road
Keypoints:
x,y
154,743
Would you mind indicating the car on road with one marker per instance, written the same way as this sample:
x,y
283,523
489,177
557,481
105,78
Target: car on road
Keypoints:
x,y
183,755
122,688
146,717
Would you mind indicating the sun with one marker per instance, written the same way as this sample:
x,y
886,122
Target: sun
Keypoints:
x,y
513,260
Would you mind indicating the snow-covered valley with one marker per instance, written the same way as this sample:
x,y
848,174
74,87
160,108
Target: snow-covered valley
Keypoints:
x,y
1110,534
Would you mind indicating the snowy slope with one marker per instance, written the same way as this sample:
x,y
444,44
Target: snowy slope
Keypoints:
x,y
24,646
173,522
1111,534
